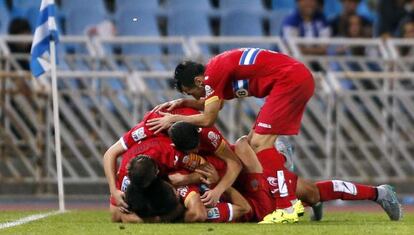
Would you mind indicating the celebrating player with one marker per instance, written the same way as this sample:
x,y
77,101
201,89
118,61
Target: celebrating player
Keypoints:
x,y
287,84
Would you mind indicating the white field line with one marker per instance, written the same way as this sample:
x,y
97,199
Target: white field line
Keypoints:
x,y
28,219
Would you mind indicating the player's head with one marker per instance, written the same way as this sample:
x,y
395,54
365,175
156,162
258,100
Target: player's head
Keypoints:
x,y
157,199
189,78
185,136
142,170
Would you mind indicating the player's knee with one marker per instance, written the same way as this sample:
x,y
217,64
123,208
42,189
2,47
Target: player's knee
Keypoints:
x,y
314,196
241,144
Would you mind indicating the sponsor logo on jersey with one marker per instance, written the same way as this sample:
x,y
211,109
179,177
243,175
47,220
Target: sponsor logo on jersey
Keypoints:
x,y
138,134
209,90
125,183
264,125
214,138
183,191
213,213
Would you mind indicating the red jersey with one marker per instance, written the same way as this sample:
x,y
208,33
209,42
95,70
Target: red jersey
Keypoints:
x,y
245,72
211,138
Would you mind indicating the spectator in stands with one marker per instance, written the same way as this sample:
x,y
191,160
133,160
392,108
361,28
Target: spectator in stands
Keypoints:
x,y
340,23
20,26
407,31
309,22
390,13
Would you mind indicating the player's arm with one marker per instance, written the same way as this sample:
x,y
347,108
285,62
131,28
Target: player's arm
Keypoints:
x,y
233,169
240,205
178,179
178,103
205,119
109,162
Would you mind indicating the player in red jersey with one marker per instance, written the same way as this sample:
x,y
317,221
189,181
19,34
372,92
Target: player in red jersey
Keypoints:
x,y
285,82
140,140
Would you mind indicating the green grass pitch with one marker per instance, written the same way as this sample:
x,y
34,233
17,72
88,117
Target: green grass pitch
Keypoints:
x,y
97,222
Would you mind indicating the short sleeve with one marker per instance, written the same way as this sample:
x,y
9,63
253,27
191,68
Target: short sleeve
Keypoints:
x,y
210,140
215,80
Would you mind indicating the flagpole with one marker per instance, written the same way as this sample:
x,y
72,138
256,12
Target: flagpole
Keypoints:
x,y
58,149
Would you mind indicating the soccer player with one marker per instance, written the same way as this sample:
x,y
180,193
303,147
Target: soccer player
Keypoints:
x,y
140,140
285,82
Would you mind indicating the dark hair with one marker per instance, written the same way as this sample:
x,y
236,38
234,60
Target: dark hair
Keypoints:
x,y
142,171
185,72
157,199
184,135
19,26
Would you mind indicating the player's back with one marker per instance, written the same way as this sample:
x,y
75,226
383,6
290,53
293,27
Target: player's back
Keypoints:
x,y
259,69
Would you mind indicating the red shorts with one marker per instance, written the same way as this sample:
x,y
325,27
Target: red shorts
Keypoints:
x,y
254,189
283,109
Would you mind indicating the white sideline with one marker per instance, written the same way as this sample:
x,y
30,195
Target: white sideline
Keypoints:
x,y
28,219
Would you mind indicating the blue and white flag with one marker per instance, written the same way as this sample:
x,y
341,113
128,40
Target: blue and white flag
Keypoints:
x,y
46,31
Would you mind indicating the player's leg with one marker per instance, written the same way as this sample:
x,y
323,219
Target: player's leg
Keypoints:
x,y
384,195
247,156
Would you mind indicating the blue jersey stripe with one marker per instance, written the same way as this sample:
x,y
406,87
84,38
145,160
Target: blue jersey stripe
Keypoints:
x,y
253,58
243,57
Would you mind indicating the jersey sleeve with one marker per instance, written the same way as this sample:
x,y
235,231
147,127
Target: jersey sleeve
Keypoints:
x,y
138,132
211,140
215,81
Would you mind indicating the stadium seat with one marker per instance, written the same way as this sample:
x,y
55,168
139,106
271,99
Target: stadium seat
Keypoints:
x,y
81,19
136,4
188,4
187,22
4,17
332,8
241,22
96,6
275,21
145,26
20,7
251,5
283,4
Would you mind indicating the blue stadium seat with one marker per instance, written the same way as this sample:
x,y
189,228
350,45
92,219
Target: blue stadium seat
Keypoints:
x,y
283,4
145,26
241,22
136,4
92,5
188,4
4,17
332,8
252,5
187,22
275,21
20,7
79,18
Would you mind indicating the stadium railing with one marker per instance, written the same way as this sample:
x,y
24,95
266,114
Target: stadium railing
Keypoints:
x,y
357,126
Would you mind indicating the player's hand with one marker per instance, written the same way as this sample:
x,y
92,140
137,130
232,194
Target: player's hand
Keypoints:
x,y
209,174
119,197
170,105
176,178
210,198
162,123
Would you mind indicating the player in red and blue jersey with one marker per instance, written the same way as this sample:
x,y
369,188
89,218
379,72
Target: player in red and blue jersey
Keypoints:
x,y
285,82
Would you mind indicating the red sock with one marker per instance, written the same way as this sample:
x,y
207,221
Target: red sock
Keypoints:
x,y
281,181
338,189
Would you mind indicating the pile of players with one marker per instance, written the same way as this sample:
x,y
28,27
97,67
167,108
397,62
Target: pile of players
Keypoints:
x,y
176,165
